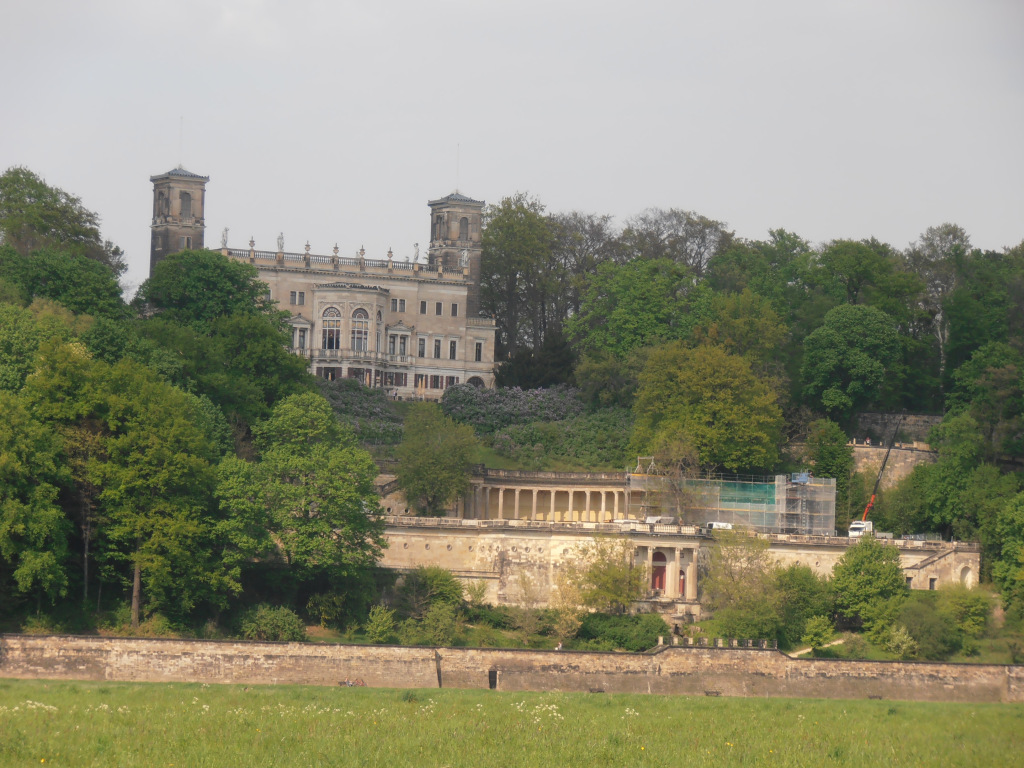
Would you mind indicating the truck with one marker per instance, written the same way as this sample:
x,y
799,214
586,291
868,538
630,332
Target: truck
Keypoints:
x,y
859,527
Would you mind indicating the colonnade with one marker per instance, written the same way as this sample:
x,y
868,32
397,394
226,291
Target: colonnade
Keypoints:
x,y
672,570
552,505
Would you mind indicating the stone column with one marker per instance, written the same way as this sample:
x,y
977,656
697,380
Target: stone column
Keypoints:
x,y
552,518
615,504
501,502
533,512
600,518
587,510
568,508
673,588
515,509
691,576
650,566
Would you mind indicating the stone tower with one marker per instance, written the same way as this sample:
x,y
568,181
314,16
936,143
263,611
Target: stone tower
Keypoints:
x,y
179,199
455,225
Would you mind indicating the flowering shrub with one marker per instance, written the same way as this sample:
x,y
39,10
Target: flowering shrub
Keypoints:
x,y
368,411
489,410
592,441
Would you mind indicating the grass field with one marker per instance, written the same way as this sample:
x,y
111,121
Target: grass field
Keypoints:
x,y
122,724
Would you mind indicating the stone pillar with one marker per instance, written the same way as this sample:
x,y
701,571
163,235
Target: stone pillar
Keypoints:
x,y
604,510
515,509
587,510
568,508
501,502
673,588
650,566
533,511
691,576
552,518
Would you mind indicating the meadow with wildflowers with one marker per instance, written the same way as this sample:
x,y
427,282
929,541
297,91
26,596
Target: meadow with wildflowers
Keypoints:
x,y
122,724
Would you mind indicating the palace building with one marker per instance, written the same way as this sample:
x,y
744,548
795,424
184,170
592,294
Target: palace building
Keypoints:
x,y
413,328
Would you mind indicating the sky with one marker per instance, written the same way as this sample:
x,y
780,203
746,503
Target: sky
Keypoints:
x,y
335,122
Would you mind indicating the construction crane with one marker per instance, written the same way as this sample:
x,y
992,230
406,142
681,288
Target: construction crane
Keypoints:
x,y
878,479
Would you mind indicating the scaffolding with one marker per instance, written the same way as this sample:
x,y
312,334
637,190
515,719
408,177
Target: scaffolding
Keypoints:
x,y
798,504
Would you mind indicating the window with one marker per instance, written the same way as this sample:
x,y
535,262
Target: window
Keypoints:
x,y
451,381
392,343
437,307
186,204
435,382
455,310
437,348
395,379
401,345
360,330
302,338
398,305
933,584
479,354
451,350
297,297
423,307
420,380
185,243
331,336
463,228
910,582
421,350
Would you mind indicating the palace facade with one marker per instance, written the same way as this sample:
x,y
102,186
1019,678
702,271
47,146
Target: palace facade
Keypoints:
x,y
413,328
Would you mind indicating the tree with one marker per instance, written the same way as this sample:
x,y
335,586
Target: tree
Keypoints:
x,y
78,283
33,528
34,215
847,359
832,456
434,458
867,575
582,241
198,287
685,237
741,585
514,281
637,304
818,632
712,401
610,579
309,500
854,266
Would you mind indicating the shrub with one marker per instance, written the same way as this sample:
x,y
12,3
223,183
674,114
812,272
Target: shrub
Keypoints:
x,y
631,633
268,623
499,617
328,608
427,585
367,411
592,441
439,624
380,625
818,632
489,410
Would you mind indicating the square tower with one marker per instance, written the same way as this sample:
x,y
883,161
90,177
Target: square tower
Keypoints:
x,y
179,201
456,222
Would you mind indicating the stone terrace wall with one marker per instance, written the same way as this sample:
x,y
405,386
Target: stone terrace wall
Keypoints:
x,y
670,670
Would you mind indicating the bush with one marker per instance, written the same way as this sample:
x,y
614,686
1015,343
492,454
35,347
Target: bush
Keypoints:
x,y
818,632
439,624
630,633
489,410
367,411
592,441
268,623
499,617
426,586
380,625
328,608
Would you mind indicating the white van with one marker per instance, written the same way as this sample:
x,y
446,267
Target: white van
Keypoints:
x,y
710,527
860,527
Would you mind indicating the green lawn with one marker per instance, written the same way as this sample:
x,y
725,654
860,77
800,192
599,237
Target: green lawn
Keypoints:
x,y
122,724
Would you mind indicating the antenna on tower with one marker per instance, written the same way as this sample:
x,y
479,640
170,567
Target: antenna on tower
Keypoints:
x,y
181,140
458,161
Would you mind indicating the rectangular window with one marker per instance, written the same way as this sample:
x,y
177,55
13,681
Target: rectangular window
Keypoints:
x,y
451,381
292,297
186,243
455,310
401,305
437,348
435,382
395,379
302,298
479,354
398,305
423,307
302,338
420,380
394,305
392,342
451,350
421,350
437,307
401,344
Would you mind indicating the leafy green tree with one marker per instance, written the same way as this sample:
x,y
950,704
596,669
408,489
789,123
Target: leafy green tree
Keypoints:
x,y
426,585
515,276
276,624
380,625
434,458
19,341
741,586
611,580
684,237
33,528
549,365
990,387
847,359
34,215
867,575
81,284
637,304
309,500
818,632
744,324
198,287
1008,570
854,266
832,455
712,401
802,594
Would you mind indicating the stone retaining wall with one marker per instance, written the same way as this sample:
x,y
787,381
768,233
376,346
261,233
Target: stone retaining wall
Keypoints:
x,y
669,670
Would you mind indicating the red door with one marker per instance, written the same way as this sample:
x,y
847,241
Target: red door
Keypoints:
x,y
658,571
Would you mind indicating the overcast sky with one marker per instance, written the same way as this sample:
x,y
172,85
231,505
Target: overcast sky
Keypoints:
x,y
336,121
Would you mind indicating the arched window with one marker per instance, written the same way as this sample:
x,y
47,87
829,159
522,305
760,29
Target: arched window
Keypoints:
x,y
379,319
463,228
360,330
331,329
186,205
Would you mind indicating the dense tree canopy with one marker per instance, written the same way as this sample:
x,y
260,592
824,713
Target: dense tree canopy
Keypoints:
x,y
434,458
